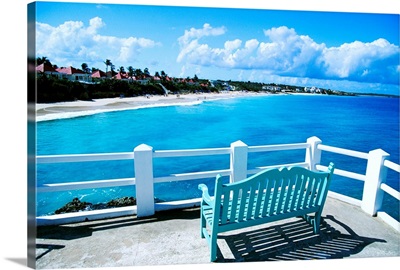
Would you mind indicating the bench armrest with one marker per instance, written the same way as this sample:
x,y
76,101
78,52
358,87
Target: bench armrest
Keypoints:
x,y
205,196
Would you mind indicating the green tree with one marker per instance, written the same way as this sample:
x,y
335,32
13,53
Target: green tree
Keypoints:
x,y
85,68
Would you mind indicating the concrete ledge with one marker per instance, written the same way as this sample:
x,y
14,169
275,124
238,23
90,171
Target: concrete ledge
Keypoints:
x,y
111,213
86,216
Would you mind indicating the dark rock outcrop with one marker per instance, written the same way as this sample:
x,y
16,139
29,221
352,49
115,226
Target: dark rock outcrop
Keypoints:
x,y
124,201
75,206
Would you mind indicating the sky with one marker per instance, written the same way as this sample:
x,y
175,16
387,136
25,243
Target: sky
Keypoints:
x,y
347,51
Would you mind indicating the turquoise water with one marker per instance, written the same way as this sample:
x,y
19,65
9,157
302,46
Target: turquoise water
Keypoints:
x,y
356,123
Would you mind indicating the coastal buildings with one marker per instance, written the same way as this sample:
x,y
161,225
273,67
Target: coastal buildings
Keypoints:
x,y
312,90
98,74
70,73
47,70
73,74
77,75
271,88
144,78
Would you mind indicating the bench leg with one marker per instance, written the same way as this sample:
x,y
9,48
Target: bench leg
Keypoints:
x,y
213,246
211,238
202,224
314,221
211,242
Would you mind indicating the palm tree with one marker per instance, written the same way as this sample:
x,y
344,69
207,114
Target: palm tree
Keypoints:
x,y
107,63
138,73
163,75
131,71
121,69
112,70
146,72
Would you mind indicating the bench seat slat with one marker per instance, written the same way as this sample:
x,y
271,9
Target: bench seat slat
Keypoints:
x,y
225,208
271,205
268,196
296,193
234,204
260,197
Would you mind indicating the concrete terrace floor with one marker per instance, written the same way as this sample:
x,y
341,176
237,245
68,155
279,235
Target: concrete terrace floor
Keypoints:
x,y
173,238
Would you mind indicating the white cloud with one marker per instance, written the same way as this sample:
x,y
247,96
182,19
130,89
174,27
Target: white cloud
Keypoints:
x,y
73,43
94,24
374,61
194,33
286,53
199,53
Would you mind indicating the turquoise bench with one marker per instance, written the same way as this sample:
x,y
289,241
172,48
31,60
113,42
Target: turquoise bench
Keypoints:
x,y
270,195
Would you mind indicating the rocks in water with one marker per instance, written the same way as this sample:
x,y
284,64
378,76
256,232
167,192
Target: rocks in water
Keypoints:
x,y
124,201
75,206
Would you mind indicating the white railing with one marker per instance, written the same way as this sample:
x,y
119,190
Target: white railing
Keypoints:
x,y
374,180
238,152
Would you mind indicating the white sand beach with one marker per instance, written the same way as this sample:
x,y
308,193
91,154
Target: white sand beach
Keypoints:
x,y
48,111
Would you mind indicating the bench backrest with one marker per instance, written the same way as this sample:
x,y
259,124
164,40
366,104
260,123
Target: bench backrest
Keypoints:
x,y
271,192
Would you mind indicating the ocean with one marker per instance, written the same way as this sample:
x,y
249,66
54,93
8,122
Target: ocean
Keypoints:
x,y
361,123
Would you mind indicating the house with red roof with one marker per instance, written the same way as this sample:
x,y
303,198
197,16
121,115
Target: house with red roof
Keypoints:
x,y
73,74
122,76
98,74
168,79
156,78
48,70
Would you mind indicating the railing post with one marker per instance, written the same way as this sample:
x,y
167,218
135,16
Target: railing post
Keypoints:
x,y
238,165
374,176
313,154
144,180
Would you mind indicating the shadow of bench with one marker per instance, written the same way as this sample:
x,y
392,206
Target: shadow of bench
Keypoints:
x,y
293,240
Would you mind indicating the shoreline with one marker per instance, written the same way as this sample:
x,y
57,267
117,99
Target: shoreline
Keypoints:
x,y
63,110
71,109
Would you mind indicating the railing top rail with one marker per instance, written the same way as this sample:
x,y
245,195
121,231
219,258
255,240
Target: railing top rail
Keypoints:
x,y
191,152
163,153
391,165
278,147
84,157
391,191
343,151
